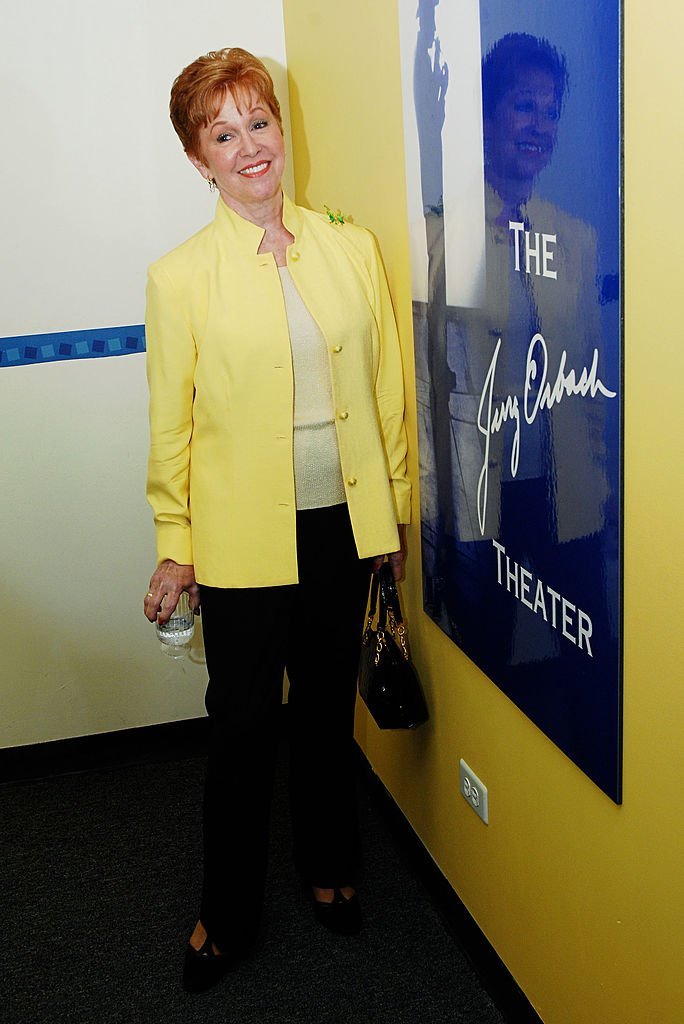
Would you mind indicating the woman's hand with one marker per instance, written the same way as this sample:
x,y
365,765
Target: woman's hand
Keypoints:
x,y
395,558
168,582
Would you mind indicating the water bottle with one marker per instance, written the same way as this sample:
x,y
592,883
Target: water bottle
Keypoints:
x,y
176,634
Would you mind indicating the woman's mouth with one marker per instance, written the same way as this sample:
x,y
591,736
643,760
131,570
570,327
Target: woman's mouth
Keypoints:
x,y
255,170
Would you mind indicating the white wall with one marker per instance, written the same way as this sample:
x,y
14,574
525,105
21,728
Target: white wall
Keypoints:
x,y
95,186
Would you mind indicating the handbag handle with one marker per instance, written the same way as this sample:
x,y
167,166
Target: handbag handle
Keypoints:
x,y
384,585
375,587
389,595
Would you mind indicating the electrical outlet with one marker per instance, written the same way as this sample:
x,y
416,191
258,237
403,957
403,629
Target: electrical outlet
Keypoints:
x,y
474,791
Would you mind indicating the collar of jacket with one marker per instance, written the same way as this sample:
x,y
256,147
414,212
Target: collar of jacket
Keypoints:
x,y
245,236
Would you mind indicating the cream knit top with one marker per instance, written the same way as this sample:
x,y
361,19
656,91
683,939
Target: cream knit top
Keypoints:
x,y
318,474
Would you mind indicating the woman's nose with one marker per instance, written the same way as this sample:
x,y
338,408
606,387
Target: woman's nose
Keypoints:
x,y
539,118
248,145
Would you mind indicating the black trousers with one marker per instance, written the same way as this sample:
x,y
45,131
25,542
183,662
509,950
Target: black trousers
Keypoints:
x,y
312,629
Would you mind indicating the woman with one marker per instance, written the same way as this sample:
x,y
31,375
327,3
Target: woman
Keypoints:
x,y
277,477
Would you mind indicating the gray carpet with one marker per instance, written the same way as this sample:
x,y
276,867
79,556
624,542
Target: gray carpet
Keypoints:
x,y
100,881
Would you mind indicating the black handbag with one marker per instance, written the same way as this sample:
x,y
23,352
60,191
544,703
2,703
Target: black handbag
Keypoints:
x,y
388,682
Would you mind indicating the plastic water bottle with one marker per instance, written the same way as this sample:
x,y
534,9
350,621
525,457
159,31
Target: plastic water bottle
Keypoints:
x,y
176,634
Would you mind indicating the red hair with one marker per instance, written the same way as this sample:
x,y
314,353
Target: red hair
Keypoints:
x,y
198,93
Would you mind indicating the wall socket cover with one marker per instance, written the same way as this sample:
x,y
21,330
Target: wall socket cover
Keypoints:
x,y
474,791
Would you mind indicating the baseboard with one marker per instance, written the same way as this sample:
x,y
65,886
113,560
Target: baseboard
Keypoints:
x,y
167,742
500,984
179,740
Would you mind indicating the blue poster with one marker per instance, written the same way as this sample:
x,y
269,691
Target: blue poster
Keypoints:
x,y
513,132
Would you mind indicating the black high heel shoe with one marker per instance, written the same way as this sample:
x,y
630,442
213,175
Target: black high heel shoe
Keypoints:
x,y
203,968
342,916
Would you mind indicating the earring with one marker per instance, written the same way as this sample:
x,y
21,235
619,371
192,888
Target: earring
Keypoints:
x,y
212,184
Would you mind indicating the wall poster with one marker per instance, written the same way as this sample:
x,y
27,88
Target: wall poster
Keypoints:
x,y
513,141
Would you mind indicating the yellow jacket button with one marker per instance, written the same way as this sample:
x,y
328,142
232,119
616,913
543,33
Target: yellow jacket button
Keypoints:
x,y
344,415
351,481
337,348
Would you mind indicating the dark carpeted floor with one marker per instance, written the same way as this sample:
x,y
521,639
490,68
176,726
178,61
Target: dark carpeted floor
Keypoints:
x,y
100,881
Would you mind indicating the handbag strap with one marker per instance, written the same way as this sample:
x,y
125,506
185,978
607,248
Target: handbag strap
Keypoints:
x,y
379,589
389,596
373,603
390,607
384,586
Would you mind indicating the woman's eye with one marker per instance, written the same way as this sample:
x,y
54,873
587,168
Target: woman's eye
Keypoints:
x,y
260,124
223,137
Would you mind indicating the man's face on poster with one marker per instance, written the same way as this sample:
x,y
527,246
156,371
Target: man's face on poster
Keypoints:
x,y
522,133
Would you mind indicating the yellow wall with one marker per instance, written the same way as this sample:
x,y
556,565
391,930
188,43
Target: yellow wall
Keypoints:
x,y
583,900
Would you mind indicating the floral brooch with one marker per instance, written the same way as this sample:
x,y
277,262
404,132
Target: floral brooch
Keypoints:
x,y
336,218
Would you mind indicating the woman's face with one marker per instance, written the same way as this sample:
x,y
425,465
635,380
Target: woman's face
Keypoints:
x,y
243,151
522,134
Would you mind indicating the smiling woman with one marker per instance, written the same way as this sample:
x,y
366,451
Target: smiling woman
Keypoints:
x,y
276,415
225,112
523,86
243,152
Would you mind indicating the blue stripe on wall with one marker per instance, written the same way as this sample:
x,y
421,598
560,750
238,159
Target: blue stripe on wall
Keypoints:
x,y
48,348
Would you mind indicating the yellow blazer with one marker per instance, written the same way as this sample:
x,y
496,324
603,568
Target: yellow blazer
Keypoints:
x,y
221,395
